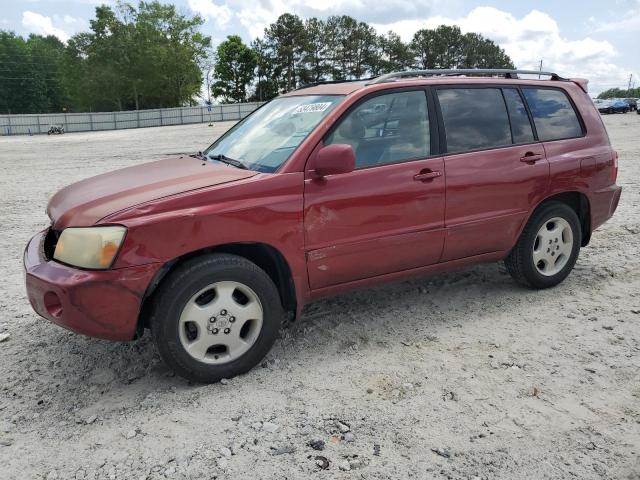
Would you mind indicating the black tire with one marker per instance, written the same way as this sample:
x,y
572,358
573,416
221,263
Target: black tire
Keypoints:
x,y
184,282
520,263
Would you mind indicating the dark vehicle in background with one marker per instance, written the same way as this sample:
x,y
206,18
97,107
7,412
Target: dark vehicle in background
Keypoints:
x,y
633,103
613,106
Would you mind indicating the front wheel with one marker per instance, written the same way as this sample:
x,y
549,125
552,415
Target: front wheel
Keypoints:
x,y
216,317
548,247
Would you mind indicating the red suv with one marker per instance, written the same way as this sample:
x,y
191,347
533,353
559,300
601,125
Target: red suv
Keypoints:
x,y
324,189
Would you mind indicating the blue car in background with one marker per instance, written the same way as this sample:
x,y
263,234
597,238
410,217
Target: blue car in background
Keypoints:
x,y
613,106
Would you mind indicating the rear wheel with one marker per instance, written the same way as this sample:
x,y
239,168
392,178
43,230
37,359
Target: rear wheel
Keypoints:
x,y
548,247
216,317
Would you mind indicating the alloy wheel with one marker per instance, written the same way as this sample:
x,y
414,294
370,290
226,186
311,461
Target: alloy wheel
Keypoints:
x,y
553,246
221,322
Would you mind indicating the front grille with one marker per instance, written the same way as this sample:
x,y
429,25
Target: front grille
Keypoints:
x,y
50,241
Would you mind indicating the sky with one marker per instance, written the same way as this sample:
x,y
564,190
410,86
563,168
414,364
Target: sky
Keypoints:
x,y
594,39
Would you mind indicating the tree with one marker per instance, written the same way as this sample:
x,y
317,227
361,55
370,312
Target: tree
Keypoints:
x,y
32,74
447,47
479,52
394,55
267,85
316,50
132,58
234,70
620,93
439,48
151,56
146,57
286,39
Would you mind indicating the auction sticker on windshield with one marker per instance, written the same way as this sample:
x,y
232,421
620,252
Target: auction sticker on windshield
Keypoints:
x,y
312,107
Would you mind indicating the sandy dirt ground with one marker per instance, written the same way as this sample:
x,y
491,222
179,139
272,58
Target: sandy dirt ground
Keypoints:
x,y
464,375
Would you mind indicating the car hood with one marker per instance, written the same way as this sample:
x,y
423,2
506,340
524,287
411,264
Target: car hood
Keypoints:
x,y
86,202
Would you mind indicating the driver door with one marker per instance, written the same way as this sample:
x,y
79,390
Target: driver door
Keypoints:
x,y
388,214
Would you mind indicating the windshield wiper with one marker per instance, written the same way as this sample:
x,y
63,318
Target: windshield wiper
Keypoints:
x,y
229,161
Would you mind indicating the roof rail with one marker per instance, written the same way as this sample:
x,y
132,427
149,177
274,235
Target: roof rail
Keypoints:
x,y
507,73
330,82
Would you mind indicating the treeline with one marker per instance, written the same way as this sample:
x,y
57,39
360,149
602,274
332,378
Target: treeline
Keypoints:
x,y
294,52
620,93
151,56
144,57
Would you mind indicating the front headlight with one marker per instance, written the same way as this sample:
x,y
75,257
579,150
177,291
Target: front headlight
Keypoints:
x,y
94,247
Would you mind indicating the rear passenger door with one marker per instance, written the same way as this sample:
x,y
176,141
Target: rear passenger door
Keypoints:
x,y
495,168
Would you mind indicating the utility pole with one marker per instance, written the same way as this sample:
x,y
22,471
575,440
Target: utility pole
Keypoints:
x,y
207,81
540,69
629,84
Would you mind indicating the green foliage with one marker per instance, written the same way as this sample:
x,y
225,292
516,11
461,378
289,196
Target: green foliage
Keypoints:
x,y
31,74
447,47
144,57
294,52
234,70
620,93
266,86
151,56
286,41
395,55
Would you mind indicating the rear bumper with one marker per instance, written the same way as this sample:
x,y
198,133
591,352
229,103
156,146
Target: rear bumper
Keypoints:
x,y
603,204
103,304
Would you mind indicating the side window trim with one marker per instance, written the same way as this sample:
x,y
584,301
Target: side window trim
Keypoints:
x,y
576,111
506,107
442,138
529,114
430,120
434,123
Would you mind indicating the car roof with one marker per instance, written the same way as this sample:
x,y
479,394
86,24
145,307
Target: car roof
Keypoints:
x,y
345,88
434,77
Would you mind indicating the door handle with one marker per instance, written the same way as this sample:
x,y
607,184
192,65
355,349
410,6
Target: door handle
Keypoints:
x,y
426,176
531,157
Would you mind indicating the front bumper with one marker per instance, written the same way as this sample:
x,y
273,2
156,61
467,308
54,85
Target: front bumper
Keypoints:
x,y
104,304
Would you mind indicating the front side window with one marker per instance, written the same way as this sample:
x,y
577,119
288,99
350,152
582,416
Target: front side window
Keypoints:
x,y
264,140
553,114
385,129
474,118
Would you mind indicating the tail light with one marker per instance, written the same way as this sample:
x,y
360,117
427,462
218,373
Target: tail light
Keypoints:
x,y
614,170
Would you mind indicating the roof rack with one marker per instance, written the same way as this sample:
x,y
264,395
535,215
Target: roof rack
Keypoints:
x,y
329,82
492,72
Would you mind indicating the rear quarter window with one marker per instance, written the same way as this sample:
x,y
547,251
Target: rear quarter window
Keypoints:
x,y
474,118
553,114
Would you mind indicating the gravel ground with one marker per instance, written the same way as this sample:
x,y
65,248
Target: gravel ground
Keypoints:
x,y
457,376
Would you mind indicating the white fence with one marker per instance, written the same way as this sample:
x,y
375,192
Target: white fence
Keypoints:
x,y
87,122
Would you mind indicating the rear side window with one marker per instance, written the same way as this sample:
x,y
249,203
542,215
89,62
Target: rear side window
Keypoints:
x,y
385,129
520,125
553,114
474,118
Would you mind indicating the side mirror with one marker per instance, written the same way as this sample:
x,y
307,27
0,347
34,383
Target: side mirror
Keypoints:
x,y
334,159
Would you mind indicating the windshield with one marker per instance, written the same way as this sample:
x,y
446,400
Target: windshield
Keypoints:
x,y
266,139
